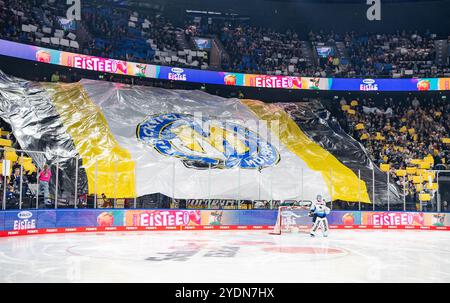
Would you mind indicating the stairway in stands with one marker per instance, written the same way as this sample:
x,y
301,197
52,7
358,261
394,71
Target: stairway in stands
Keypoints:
x,y
442,54
307,52
181,40
83,34
341,52
217,54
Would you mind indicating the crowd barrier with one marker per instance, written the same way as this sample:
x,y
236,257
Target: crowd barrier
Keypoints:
x,y
69,190
106,65
28,222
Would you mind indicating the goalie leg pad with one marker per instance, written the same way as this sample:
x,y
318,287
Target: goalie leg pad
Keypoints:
x,y
315,226
325,227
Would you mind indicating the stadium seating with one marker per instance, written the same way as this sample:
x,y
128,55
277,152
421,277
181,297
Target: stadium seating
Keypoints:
x,y
121,33
37,22
405,137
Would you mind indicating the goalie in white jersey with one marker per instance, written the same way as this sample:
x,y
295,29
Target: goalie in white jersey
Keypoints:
x,y
319,212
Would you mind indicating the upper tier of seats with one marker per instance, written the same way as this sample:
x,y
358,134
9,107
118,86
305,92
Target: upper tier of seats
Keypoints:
x,y
119,32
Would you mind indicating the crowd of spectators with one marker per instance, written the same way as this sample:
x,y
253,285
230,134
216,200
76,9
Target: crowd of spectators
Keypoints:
x,y
399,54
20,176
121,33
262,50
40,22
107,31
126,35
400,133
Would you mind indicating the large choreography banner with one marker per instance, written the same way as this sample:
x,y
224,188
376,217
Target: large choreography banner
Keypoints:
x,y
135,141
51,56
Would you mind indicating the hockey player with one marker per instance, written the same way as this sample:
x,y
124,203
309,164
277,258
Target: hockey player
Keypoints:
x,y
319,201
319,212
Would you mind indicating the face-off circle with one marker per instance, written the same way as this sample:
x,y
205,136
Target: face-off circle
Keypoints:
x,y
305,250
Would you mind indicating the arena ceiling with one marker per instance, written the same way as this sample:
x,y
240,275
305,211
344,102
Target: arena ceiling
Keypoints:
x,y
354,1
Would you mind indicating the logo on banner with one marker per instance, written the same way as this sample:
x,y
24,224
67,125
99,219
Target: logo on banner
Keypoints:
x,y
97,64
24,221
395,218
43,56
423,84
368,85
444,84
202,143
177,74
230,79
105,219
276,82
167,218
314,83
140,70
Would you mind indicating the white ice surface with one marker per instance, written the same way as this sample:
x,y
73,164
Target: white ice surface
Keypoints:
x,y
227,256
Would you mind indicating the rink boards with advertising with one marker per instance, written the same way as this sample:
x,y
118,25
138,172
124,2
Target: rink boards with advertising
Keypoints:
x,y
22,222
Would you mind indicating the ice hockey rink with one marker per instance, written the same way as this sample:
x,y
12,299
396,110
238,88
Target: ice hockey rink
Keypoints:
x,y
227,256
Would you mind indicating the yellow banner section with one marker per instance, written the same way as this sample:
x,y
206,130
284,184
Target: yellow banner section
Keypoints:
x,y
342,182
109,167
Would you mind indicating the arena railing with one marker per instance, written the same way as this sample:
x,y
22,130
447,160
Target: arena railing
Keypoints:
x,y
78,183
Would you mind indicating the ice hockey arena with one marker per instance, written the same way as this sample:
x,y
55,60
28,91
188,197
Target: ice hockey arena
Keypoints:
x,y
259,141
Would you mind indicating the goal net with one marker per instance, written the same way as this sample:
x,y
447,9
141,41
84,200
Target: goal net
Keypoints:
x,y
292,219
